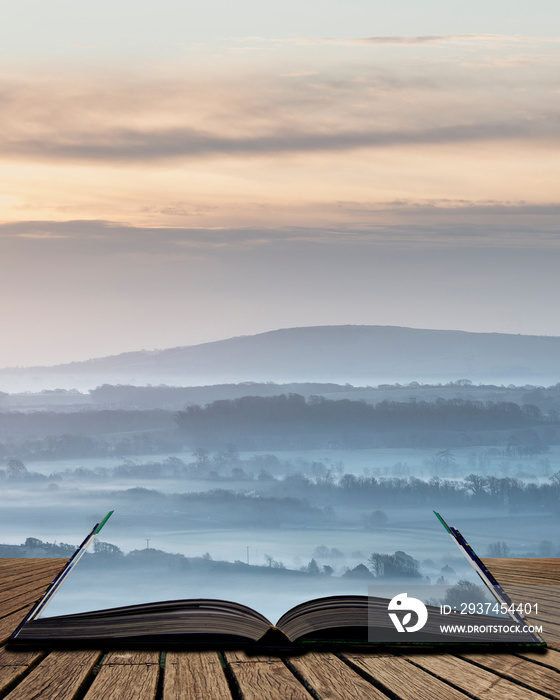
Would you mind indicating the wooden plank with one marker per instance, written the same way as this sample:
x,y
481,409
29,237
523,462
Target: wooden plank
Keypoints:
x,y
549,609
12,613
132,658
545,591
484,685
525,571
10,622
531,577
39,581
194,675
26,599
58,677
548,624
42,577
403,679
547,598
30,562
13,665
9,675
333,679
23,562
15,614
548,657
121,682
239,656
7,576
126,675
22,586
537,677
550,630
269,679
9,657
547,566
550,633
20,567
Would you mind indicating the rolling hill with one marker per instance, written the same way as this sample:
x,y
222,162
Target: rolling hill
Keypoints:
x,y
360,355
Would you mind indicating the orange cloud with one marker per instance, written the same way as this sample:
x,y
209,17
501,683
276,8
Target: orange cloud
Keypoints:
x,y
285,139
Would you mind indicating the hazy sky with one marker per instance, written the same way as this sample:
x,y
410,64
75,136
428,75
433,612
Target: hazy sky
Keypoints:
x,y
177,172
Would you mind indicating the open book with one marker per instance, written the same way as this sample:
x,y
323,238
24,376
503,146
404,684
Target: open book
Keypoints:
x,y
344,619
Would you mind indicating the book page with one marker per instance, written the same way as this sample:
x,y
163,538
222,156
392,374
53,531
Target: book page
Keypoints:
x,y
270,570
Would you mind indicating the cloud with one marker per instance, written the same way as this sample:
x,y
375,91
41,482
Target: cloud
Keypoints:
x,y
457,207
262,112
426,40
278,142
507,225
130,145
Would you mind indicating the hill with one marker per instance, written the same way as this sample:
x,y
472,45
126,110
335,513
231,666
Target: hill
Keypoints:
x,y
360,355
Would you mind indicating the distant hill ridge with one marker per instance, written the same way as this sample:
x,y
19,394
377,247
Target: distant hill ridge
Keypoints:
x,y
361,355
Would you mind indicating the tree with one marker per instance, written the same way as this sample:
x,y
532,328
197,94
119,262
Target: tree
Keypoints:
x,y
16,468
377,564
375,519
321,551
360,571
464,592
445,457
405,565
108,549
397,565
202,458
475,483
265,476
499,550
313,568
272,563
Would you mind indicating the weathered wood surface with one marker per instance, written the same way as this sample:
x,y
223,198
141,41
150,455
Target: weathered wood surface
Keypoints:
x,y
403,679
16,578
518,669
471,679
263,677
16,600
15,665
333,679
212,675
550,657
60,676
194,675
533,572
529,581
126,676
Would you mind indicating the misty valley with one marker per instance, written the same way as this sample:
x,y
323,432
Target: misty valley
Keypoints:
x,y
283,493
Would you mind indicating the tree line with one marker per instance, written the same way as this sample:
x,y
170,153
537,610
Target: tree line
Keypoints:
x,y
347,422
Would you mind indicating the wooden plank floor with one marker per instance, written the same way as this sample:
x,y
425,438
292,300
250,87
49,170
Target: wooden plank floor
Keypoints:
x,y
218,675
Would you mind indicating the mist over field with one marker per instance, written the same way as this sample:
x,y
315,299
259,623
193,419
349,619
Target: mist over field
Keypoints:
x,y
299,490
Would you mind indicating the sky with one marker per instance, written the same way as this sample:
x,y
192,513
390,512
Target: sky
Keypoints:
x,y
174,173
